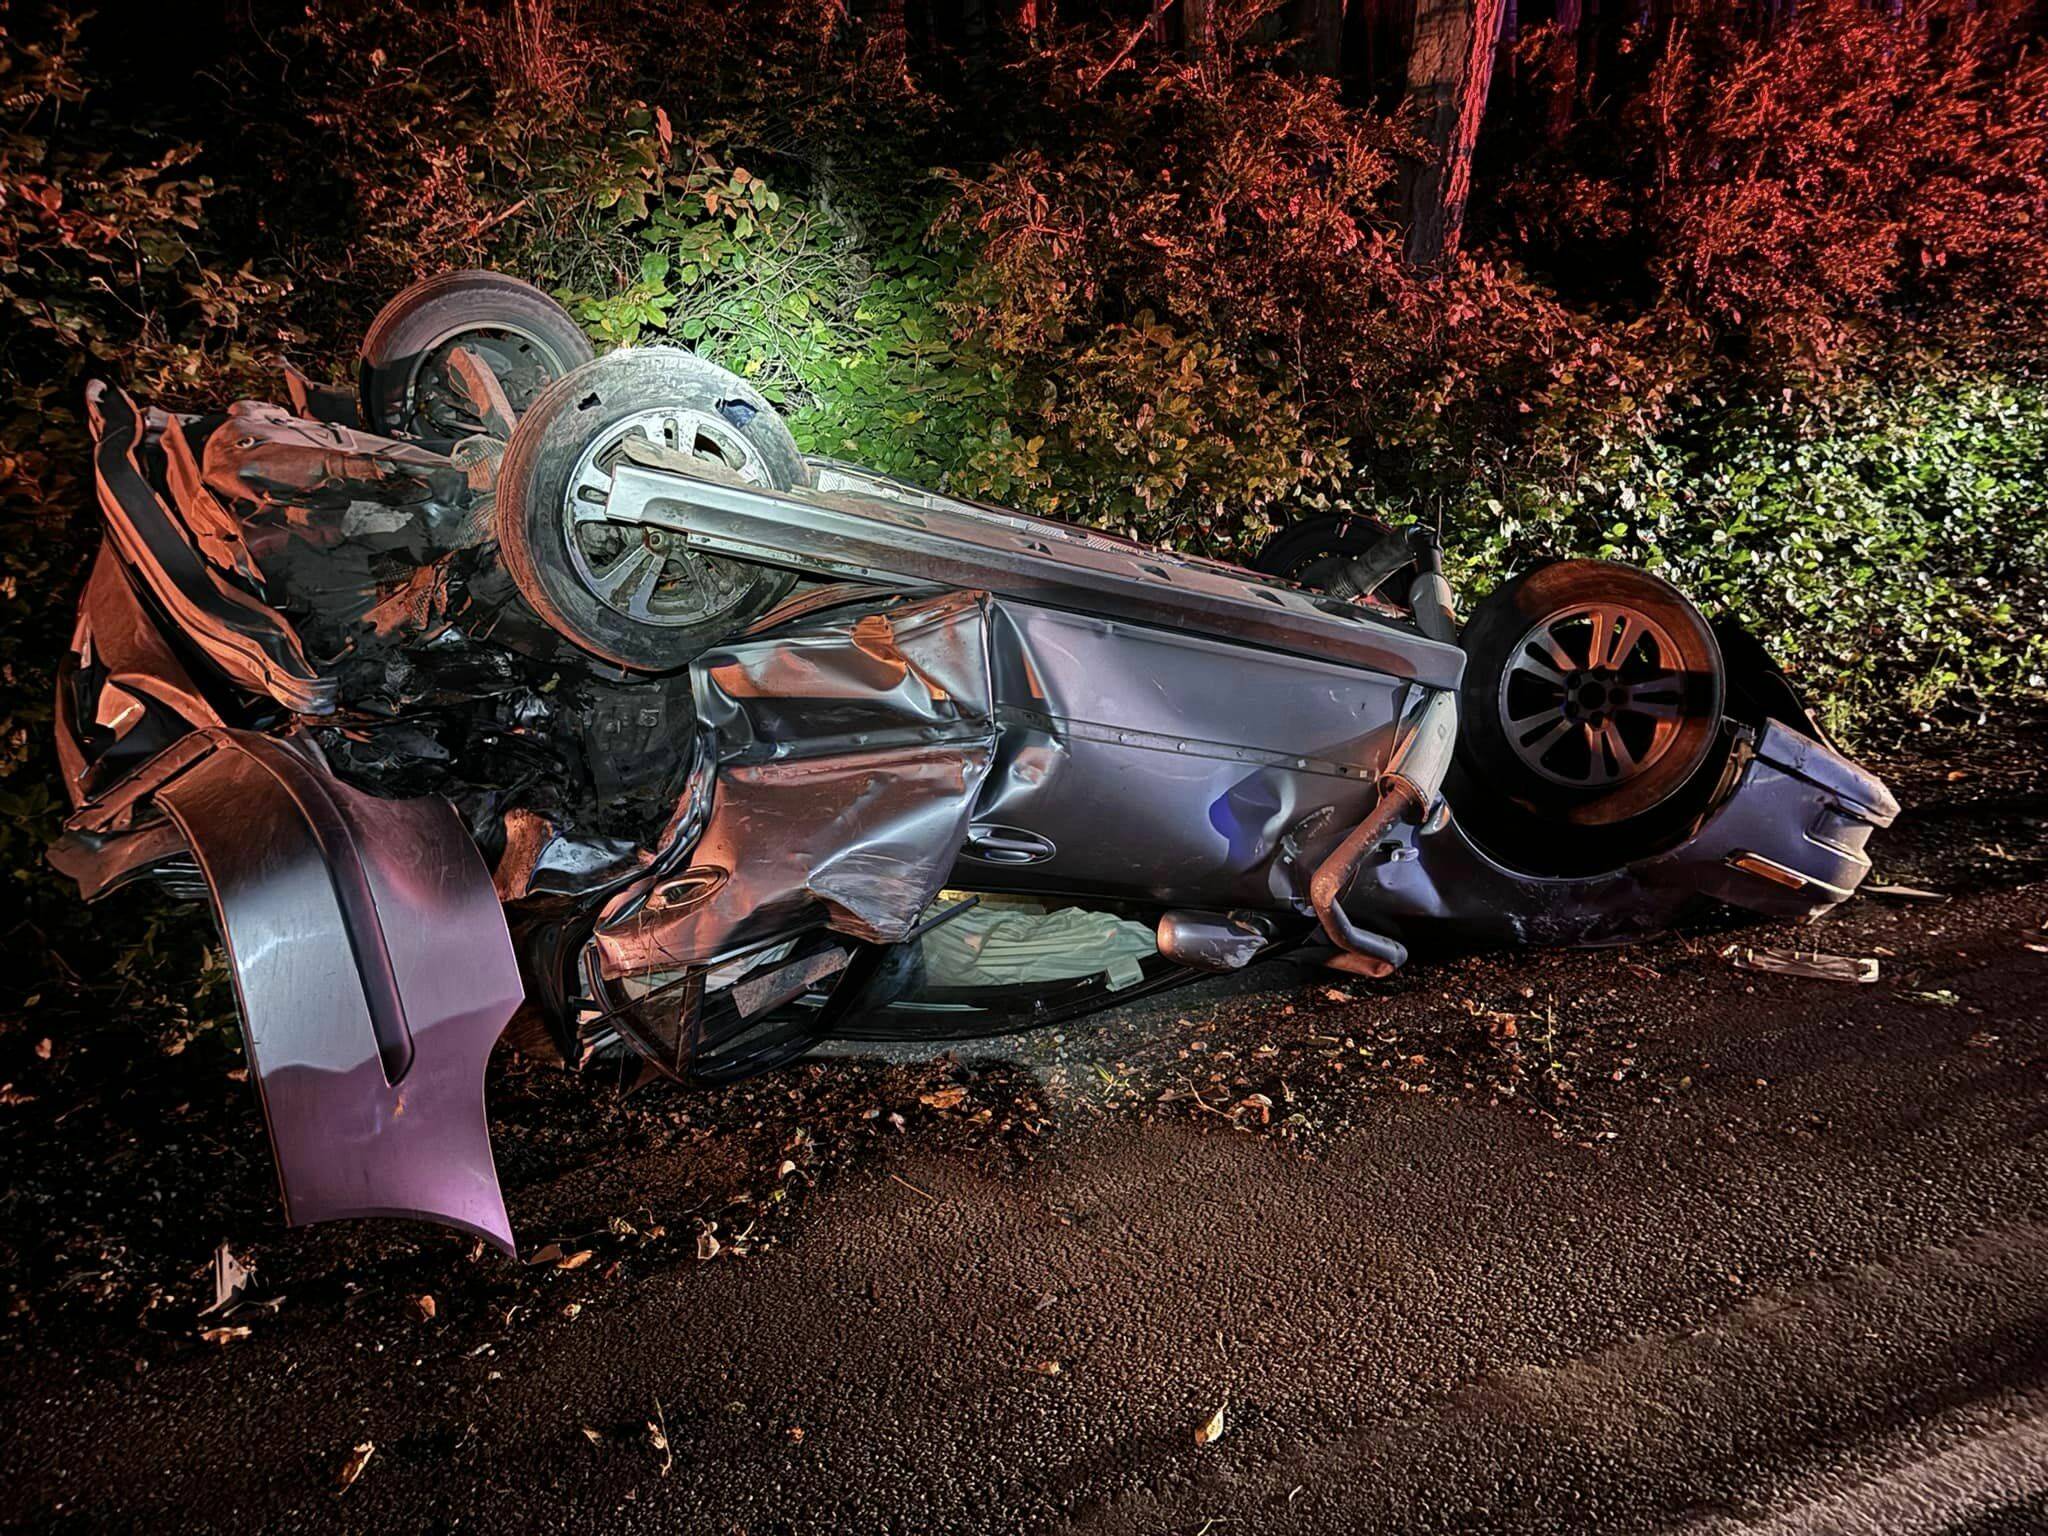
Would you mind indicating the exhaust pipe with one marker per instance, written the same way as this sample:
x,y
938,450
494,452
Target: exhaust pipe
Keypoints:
x,y
1410,785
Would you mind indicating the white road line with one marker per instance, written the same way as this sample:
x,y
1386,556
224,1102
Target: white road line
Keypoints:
x,y
1991,1462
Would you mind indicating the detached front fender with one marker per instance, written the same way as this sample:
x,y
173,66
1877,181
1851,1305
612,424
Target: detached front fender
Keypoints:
x,y
373,967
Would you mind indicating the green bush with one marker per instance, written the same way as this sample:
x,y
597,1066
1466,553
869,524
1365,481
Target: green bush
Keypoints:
x,y
688,247
1892,548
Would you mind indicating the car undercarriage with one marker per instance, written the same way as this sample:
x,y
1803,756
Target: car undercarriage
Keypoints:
x,y
521,688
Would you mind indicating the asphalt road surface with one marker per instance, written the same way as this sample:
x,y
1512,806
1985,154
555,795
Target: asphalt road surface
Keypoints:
x,y
1620,1241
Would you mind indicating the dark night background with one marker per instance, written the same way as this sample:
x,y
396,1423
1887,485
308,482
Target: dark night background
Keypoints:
x,y
1752,294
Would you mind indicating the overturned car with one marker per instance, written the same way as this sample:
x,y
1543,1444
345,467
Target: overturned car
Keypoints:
x,y
521,683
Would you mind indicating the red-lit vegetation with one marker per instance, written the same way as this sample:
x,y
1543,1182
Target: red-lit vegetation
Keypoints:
x,y
1754,294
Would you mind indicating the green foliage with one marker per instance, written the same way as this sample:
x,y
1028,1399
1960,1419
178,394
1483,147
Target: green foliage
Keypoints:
x,y
1154,434
1891,547
843,334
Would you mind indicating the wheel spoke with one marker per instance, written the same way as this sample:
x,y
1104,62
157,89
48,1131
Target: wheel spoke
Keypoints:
x,y
1560,658
1522,727
1659,698
643,589
1632,631
1535,745
1599,631
1618,755
1529,666
638,568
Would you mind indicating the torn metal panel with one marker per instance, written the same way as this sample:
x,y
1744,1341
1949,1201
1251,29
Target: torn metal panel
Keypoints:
x,y
850,754
265,455
374,971
250,642
320,402
213,528
122,694
542,860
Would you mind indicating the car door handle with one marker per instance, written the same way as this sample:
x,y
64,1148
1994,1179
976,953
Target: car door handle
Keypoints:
x,y
1007,845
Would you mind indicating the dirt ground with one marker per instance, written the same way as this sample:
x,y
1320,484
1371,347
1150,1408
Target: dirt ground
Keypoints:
x,y
1630,1240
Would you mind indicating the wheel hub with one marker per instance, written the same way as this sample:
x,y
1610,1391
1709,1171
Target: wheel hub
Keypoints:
x,y
523,366
648,574
1592,695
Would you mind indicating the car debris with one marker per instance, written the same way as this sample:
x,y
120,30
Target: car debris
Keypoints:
x,y
531,683
231,1278
1807,963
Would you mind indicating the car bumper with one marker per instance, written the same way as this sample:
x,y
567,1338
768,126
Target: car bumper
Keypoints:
x,y
1788,839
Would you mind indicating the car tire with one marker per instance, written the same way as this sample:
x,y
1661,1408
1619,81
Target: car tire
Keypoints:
x,y
404,385
1593,700
1310,550
574,568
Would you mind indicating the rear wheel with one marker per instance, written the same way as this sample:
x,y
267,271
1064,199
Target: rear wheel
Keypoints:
x,y
406,381
636,596
1593,699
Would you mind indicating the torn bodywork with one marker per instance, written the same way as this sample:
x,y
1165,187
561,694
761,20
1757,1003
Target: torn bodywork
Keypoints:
x,y
693,748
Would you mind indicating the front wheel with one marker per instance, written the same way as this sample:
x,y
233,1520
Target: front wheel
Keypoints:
x,y
638,597
1592,699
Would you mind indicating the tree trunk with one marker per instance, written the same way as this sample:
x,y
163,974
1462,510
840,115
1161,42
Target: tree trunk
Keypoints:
x,y
1319,26
1450,65
1567,62
1196,28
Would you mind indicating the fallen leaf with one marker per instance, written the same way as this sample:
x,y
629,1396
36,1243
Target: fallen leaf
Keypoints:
x,y
657,1437
569,1311
424,1306
943,1098
223,1337
1212,1431
594,1436
546,1253
1047,1367
352,1469
795,1433
708,1244
576,1260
